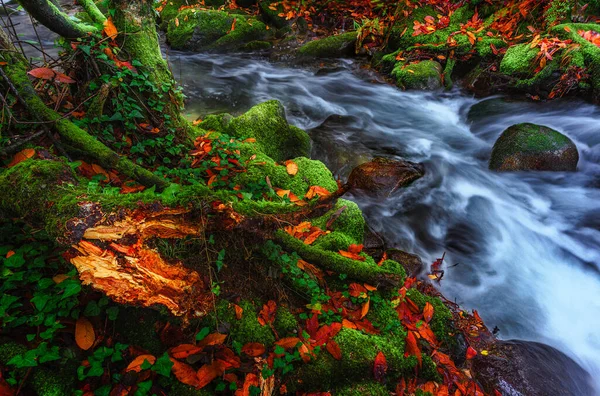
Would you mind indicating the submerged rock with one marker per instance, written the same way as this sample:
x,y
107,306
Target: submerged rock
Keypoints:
x,y
383,176
532,369
199,30
330,47
533,147
424,75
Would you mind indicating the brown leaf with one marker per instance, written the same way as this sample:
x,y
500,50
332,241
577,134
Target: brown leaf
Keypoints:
x,y
185,373
110,29
253,349
334,349
136,364
184,350
213,339
21,156
267,313
380,367
250,381
84,333
288,342
317,191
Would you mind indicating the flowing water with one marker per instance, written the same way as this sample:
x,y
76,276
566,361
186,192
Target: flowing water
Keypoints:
x,y
521,248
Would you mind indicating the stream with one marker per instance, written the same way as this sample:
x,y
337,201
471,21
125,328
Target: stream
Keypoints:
x,y
521,248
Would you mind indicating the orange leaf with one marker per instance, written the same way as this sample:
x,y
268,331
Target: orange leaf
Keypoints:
x,y
334,349
84,334
11,253
355,248
305,353
233,25
316,190
253,349
249,140
350,255
347,324
21,156
250,381
136,364
110,29
369,287
185,373
213,339
184,350
288,342
197,122
291,167
365,309
60,278
207,373
411,346
238,311
267,313
380,367
428,312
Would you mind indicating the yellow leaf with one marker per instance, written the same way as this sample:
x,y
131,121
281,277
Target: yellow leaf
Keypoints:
x,y
60,278
176,21
84,334
291,167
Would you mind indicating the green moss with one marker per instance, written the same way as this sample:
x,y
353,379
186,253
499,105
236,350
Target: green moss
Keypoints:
x,y
181,389
266,122
285,322
441,323
558,11
216,122
518,60
208,30
422,75
350,222
247,329
369,388
332,46
272,16
9,350
56,381
257,45
366,271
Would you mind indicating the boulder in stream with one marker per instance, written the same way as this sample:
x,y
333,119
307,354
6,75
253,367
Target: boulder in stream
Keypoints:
x,y
532,369
330,47
533,147
383,176
424,75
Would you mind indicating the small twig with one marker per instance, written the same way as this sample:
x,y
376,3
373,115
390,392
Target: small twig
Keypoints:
x,y
13,148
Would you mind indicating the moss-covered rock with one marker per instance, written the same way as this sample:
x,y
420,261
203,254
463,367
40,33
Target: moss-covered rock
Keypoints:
x,y
349,223
533,147
285,321
519,60
199,30
330,47
266,122
271,16
247,329
368,388
424,75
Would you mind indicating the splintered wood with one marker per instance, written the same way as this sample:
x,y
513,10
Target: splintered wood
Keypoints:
x,y
119,263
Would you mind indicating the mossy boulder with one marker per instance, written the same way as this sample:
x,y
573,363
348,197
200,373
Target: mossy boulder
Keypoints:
x,y
533,147
267,123
383,176
199,30
424,75
519,60
330,47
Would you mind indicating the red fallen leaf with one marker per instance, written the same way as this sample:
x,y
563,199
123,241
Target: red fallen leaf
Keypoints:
x,y
207,373
131,187
250,381
334,349
136,364
63,78
288,342
226,359
357,290
366,326
380,367
230,377
45,73
213,339
253,349
401,387
305,353
411,346
313,236
353,256
184,350
312,325
428,312
355,248
239,311
185,373
21,156
471,353
267,313
10,254
5,389
427,334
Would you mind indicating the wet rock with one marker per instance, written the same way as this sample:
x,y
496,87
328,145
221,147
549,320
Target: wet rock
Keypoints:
x,y
533,147
411,262
330,47
383,176
424,75
529,368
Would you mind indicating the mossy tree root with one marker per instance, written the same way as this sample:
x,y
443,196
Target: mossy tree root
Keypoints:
x,y
48,14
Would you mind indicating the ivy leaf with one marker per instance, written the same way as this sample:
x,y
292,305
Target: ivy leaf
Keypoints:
x,y
163,365
202,333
